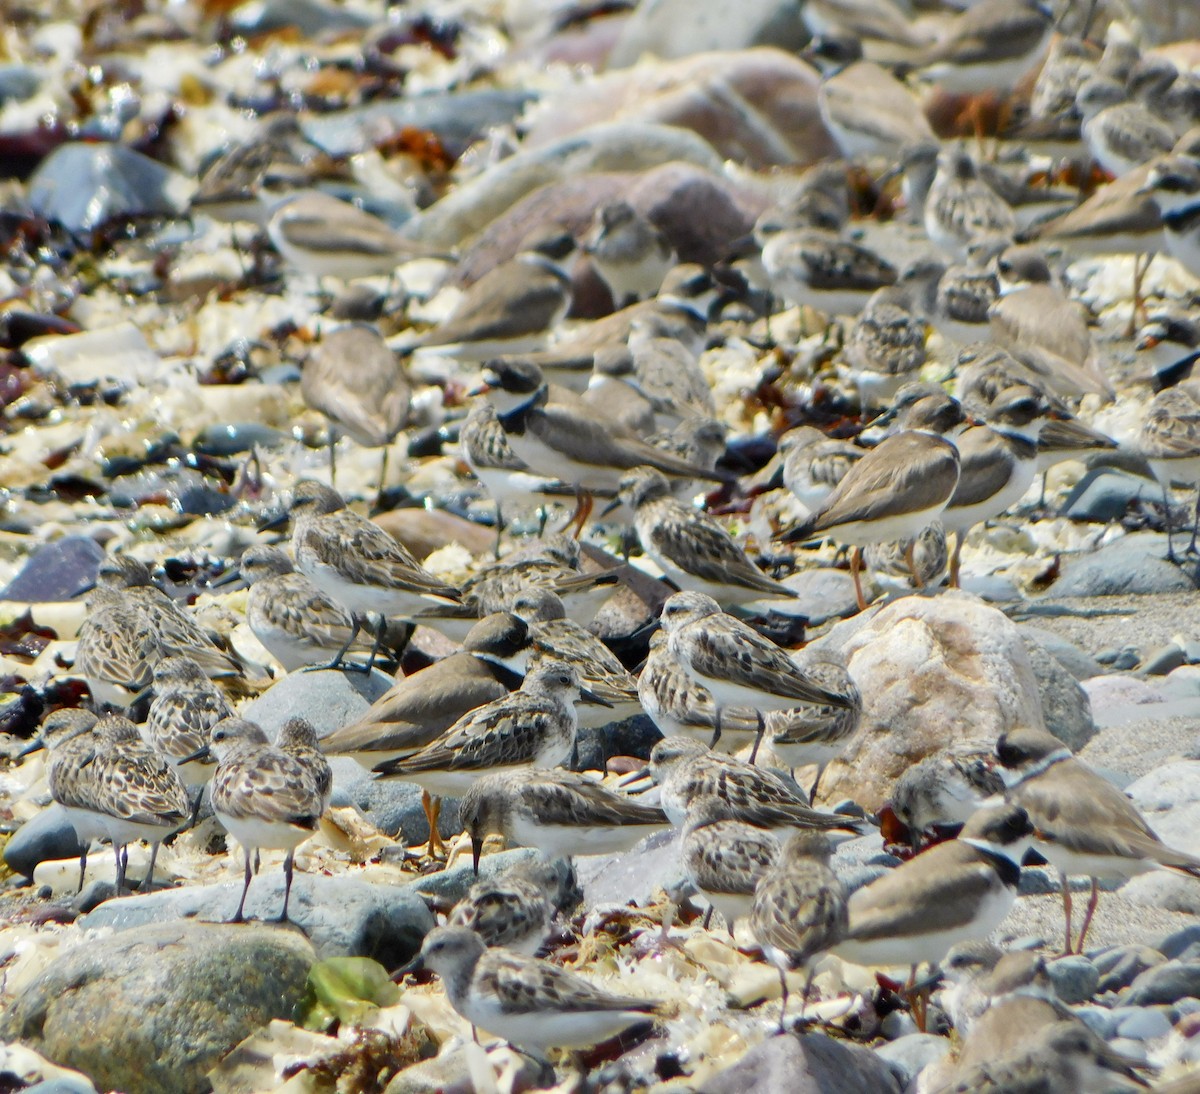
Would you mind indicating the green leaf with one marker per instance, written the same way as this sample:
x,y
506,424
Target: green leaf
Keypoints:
x,y
345,990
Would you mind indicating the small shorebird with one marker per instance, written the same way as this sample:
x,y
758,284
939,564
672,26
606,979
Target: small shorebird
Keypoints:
x,y
936,797
185,707
815,733
1084,824
687,771
1170,441
1043,329
67,735
1174,186
693,550
554,637
1120,133
234,187
361,386
296,622
532,1004
116,651
514,910
263,796
629,253
799,909
954,892
892,493
734,663
559,436
511,309
320,236
725,859
961,208
989,47
681,707
137,792
418,709
561,813
886,346
534,726
815,267
355,562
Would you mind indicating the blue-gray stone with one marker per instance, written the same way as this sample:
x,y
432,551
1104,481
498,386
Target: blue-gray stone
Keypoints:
x,y
1121,965
341,916
62,1085
811,1063
635,876
43,838
1075,979
83,186
57,571
327,698
1164,983
1176,942
1104,494
1140,1023
448,886
1131,565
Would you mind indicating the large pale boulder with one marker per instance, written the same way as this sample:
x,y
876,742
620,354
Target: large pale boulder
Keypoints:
x,y
932,671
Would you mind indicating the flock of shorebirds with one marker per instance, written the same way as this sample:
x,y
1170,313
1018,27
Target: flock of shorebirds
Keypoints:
x,y
621,409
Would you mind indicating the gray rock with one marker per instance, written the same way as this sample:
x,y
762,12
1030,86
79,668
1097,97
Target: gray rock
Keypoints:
x,y
907,1056
1164,983
1065,705
1074,978
43,838
677,28
341,916
1163,659
1104,494
1098,1019
151,1010
84,186
822,593
812,1064
1120,966
328,699
897,1024
1134,1051
448,886
394,806
1177,941
1036,882
634,736
57,571
1140,1023
1079,664
633,877
1160,889
1134,564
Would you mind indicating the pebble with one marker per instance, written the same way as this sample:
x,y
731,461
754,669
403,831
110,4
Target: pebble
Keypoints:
x,y
1165,983
1162,660
1174,944
1121,965
1142,1022
327,698
1075,979
1105,494
43,838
